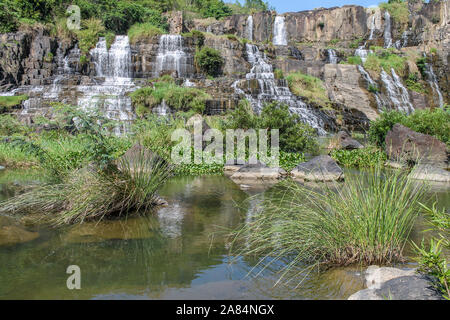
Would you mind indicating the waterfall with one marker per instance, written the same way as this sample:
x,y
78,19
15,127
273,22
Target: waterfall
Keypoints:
x,y
269,89
172,57
371,85
387,30
111,96
372,27
250,28
332,57
279,32
362,52
397,93
433,82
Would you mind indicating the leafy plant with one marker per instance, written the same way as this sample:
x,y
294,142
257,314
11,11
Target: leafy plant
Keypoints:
x,y
362,158
141,31
209,61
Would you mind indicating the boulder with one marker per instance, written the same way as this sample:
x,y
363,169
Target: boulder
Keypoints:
x,y
258,171
320,168
387,283
429,172
406,145
346,142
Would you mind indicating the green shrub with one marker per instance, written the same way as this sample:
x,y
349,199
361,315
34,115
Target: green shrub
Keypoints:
x,y
355,60
89,34
109,39
278,74
432,122
398,10
387,60
356,43
413,83
142,31
9,102
198,36
310,87
362,158
209,61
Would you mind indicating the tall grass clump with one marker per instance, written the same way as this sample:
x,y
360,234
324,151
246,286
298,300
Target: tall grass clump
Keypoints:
x,y
366,220
92,194
310,87
140,31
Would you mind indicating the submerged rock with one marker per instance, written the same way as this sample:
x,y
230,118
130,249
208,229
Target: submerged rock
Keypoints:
x,y
11,233
429,172
320,168
395,284
404,144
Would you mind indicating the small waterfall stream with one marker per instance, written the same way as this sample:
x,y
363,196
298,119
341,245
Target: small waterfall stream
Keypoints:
x,y
362,52
387,30
332,57
172,56
279,32
433,82
269,89
397,93
371,85
249,29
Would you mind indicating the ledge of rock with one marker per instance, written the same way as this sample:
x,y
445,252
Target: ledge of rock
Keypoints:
x,y
429,172
258,171
344,141
395,284
320,168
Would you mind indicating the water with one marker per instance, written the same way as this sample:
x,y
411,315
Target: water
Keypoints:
x,y
249,29
172,56
179,252
279,32
332,57
373,84
387,30
362,52
262,87
115,62
397,93
433,82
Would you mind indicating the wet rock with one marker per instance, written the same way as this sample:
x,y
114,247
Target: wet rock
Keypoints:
x,y
11,233
429,172
375,276
346,142
258,171
320,168
404,144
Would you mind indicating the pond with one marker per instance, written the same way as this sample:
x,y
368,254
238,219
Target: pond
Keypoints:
x,y
178,252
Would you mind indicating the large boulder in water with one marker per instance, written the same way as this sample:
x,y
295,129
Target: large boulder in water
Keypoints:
x,y
346,142
406,145
429,172
320,168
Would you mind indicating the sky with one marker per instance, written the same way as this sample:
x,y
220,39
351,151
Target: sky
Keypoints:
x,y
282,6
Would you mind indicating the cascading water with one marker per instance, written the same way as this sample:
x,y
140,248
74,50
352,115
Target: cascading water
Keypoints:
x,y
111,95
332,57
249,30
269,89
387,30
362,52
172,57
433,82
397,93
279,32
372,87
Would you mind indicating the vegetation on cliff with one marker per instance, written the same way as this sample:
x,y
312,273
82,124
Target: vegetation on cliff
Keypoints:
x,y
310,87
209,61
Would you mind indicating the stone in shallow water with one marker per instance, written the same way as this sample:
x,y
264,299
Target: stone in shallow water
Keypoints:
x,y
11,233
320,168
258,171
429,172
346,142
375,275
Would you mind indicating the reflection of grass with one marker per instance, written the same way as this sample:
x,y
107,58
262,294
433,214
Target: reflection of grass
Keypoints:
x,y
367,220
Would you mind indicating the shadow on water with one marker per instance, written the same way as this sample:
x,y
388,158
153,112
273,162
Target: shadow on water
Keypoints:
x,y
177,252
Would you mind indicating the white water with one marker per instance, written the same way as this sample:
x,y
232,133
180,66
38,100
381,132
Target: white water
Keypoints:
x,y
172,57
397,93
332,57
362,52
433,82
270,90
371,83
249,29
387,30
279,32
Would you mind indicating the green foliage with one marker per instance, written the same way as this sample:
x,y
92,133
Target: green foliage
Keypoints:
x,y
9,102
141,31
356,43
89,34
209,61
398,9
9,126
8,17
413,83
175,97
387,60
366,220
109,39
249,6
213,8
373,88
294,135
421,64
278,74
355,60
362,158
310,87
197,36
432,122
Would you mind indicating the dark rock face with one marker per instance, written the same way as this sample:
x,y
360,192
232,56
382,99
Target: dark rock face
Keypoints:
x,y
346,142
405,145
320,168
415,287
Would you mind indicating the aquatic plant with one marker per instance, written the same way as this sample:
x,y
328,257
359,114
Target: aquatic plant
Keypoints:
x,y
369,156
90,193
366,220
